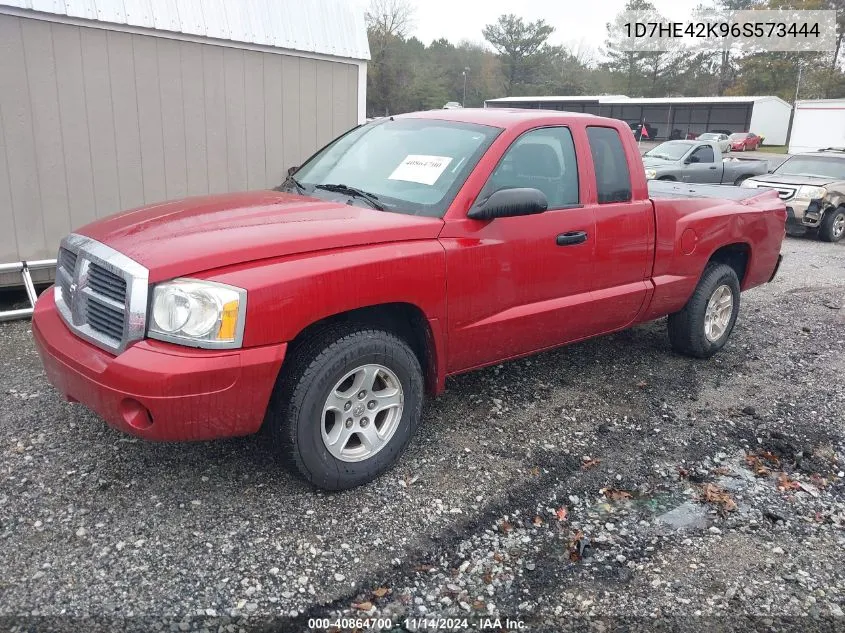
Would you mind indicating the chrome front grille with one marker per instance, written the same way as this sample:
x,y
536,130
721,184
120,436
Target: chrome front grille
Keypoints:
x,y
785,193
105,319
107,283
101,294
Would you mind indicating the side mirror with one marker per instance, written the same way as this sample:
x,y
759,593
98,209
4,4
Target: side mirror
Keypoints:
x,y
292,170
508,203
692,159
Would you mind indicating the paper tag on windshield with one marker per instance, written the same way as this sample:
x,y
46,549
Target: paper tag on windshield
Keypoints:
x,y
420,168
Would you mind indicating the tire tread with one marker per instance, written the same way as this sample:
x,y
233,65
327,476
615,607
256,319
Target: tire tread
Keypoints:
x,y
686,334
306,361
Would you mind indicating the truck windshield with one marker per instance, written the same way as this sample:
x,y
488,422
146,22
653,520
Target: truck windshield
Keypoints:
x,y
669,151
413,166
821,166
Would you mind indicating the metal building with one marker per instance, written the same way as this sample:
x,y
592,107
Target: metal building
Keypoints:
x,y
818,123
107,105
675,116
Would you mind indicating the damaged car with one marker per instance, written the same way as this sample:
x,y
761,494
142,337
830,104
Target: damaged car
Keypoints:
x,y
812,185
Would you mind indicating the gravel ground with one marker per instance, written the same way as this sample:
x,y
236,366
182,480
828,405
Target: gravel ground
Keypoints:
x,y
609,479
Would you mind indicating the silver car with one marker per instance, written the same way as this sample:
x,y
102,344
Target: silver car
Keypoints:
x,y
722,140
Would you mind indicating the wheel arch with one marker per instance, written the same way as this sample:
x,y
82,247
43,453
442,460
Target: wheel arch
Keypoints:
x,y
736,255
405,320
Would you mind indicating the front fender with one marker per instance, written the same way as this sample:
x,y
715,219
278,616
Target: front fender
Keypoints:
x,y
286,295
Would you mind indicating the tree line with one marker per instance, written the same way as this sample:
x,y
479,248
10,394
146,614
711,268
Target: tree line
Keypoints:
x,y
515,58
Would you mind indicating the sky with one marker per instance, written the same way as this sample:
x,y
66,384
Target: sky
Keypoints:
x,y
579,24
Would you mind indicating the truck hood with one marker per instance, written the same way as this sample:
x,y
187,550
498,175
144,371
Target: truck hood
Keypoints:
x,y
778,179
184,237
654,163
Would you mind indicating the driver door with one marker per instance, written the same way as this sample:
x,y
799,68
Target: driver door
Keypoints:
x,y
520,284
705,169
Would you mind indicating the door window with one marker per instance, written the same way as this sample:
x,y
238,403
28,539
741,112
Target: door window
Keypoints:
x,y
542,159
704,154
613,180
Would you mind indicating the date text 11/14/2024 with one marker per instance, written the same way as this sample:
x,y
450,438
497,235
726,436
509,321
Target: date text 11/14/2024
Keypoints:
x,y
421,623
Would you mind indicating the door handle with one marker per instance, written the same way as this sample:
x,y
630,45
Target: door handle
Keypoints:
x,y
573,237
713,167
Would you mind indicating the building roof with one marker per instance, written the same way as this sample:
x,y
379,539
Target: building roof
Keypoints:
x,y
556,99
689,100
807,104
622,99
325,27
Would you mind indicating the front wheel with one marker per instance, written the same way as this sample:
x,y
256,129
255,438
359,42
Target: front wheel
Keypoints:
x,y
705,323
347,405
832,227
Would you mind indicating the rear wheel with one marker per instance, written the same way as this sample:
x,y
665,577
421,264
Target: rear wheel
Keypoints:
x,y
705,323
347,405
832,227
741,179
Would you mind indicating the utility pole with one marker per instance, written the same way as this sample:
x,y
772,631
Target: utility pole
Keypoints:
x,y
794,107
464,102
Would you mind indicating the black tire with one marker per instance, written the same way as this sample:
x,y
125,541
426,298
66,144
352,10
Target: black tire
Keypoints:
x,y
686,327
830,229
741,179
295,412
668,179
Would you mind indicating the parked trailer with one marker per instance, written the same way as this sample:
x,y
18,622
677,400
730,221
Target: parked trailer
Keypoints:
x,y
817,124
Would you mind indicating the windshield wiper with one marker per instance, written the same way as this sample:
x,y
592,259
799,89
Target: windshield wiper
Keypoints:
x,y
353,192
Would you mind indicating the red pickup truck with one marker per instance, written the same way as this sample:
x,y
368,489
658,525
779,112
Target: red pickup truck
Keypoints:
x,y
409,249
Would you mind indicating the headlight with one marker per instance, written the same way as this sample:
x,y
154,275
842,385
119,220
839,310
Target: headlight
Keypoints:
x,y
650,174
198,313
813,193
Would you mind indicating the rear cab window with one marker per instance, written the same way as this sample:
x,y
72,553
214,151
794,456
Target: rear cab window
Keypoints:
x,y
613,178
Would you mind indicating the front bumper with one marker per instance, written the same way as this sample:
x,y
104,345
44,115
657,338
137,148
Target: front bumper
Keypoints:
x,y
803,213
156,390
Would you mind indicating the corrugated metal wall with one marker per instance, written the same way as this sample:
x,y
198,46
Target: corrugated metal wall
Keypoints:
x,y
94,121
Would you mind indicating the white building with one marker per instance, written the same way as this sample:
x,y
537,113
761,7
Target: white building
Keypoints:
x,y
817,124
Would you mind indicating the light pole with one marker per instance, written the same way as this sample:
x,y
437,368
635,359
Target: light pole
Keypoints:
x,y
464,102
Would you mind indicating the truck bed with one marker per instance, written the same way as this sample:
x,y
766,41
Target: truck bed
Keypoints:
x,y
662,189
